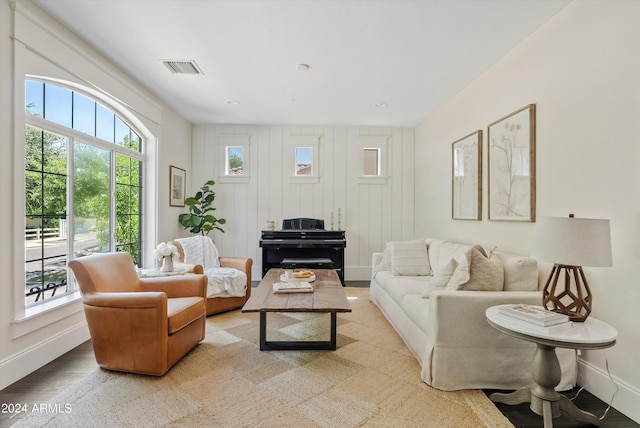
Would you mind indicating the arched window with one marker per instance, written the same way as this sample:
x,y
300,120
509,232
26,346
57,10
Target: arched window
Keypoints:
x,y
83,185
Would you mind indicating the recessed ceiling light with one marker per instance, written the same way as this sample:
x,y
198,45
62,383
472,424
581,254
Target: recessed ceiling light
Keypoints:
x,y
233,102
380,105
303,67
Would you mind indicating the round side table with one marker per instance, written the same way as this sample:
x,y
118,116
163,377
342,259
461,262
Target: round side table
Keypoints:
x,y
545,369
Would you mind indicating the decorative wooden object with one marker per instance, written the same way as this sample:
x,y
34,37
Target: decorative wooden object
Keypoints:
x,y
576,303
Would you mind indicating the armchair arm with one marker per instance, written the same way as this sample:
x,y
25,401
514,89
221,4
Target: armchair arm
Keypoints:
x,y
126,300
188,267
449,309
177,286
240,263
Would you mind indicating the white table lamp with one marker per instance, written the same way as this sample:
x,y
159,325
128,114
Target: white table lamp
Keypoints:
x,y
571,243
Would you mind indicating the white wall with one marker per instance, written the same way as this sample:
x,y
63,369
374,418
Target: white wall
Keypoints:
x,y
174,150
582,70
31,42
371,213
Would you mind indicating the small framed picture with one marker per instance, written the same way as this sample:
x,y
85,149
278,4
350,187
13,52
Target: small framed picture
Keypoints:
x,y
177,186
466,157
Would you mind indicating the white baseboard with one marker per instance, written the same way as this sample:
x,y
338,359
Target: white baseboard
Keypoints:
x,y
597,382
29,360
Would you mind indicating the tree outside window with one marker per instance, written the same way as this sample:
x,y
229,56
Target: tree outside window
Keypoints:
x,y
68,212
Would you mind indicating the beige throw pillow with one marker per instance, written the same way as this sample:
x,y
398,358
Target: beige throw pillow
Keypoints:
x,y
410,258
477,271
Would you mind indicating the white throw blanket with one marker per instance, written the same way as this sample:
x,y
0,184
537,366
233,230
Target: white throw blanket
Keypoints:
x,y
223,281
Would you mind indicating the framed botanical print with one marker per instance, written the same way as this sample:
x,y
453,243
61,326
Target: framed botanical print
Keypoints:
x,y
512,179
466,172
177,186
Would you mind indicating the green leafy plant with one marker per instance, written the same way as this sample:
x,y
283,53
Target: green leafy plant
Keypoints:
x,y
200,218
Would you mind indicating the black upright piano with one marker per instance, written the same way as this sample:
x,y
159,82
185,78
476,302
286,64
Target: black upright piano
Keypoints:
x,y
300,239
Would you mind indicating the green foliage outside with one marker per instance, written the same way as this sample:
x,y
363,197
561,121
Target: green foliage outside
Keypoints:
x,y
46,189
235,161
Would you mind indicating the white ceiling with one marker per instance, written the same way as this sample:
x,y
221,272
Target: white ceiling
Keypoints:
x,y
411,55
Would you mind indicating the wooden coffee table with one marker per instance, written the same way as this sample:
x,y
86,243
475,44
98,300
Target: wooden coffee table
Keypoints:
x,y
328,296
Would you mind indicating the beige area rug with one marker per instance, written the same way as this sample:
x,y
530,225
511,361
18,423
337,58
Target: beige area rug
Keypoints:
x,y
371,380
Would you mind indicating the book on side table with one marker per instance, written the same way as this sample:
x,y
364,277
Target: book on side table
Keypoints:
x,y
535,315
292,287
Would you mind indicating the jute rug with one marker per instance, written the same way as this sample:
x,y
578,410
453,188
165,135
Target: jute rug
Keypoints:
x,y
371,380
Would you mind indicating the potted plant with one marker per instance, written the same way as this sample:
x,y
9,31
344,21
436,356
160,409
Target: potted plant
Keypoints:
x,y
200,219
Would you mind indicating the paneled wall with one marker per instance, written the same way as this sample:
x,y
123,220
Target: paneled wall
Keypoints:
x,y
373,211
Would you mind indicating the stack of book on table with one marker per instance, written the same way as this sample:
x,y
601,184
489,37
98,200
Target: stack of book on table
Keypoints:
x,y
292,287
536,318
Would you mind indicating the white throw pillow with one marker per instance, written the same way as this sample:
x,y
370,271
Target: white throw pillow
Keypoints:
x,y
440,280
385,262
410,258
477,271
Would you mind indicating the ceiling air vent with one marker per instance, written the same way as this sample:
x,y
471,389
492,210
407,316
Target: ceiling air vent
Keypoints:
x,y
182,67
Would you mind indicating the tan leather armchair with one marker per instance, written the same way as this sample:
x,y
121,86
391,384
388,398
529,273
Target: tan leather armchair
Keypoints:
x,y
139,325
216,305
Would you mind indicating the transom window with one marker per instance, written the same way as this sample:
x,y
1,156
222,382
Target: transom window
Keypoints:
x,y
83,186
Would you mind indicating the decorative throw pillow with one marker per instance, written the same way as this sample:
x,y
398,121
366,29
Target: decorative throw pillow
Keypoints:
x,y
520,273
410,258
441,279
385,262
477,271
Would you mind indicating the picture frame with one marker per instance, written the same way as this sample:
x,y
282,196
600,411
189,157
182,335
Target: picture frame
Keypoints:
x,y
177,186
511,164
466,177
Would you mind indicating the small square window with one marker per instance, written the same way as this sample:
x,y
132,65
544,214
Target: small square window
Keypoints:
x,y
373,159
234,163
371,162
304,161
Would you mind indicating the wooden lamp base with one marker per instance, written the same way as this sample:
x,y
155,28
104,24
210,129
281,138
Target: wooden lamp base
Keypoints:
x,y
563,298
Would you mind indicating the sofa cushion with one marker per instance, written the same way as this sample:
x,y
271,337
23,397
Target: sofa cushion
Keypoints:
x,y
182,311
441,252
520,273
477,271
398,286
410,258
440,280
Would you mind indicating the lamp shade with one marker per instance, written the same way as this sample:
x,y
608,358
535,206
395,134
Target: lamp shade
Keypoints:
x,y
573,241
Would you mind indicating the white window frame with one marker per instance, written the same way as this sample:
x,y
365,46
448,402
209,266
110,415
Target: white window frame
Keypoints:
x,y
302,141
225,141
380,143
33,317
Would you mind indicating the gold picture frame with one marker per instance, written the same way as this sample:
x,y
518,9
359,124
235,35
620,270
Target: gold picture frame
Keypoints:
x,y
511,163
177,186
466,177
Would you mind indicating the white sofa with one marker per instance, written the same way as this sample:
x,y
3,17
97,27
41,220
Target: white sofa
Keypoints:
x,y
447,330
